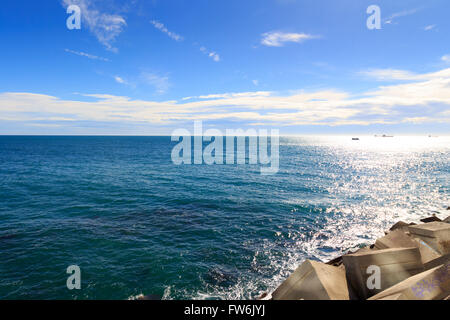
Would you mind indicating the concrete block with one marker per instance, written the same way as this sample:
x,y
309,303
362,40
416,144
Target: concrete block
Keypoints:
x,y
395,239
447,220
397,296
399,225
431,219
314,281
433,284
402,226
436,234
337,262
427,252
399,239
395,265
437,262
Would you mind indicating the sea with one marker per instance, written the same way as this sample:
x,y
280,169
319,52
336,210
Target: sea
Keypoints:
x,y
136,224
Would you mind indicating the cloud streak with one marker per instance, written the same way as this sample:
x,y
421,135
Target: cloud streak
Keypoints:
x,y
390,19
87,55
395,74
161,27
279,39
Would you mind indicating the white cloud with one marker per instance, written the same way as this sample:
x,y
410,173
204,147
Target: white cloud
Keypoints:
x,y
430,27
120,80
255,82
160,83
389,74
446,58
278,39
213,55
395,74
87,55
234,95
106,27
423,98
158,25
390,19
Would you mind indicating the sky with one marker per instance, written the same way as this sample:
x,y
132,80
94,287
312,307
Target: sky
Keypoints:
x,y
149,67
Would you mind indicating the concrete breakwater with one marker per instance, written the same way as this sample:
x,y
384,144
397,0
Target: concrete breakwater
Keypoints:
x,y
411,262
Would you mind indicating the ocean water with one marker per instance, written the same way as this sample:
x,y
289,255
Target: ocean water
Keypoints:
x,y
137,224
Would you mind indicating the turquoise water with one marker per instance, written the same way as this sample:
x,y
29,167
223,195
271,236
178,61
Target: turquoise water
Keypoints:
x,y
137,224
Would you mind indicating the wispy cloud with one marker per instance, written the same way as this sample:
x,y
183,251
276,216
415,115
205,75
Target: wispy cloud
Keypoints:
x,y
160,83
87,55
404,75
106,27
278,39
161,27
120,80
424,98
430,27
213,55
390,19
446,58
388,74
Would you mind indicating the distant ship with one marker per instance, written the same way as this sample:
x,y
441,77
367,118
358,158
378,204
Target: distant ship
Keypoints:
x,y
355,139
384,136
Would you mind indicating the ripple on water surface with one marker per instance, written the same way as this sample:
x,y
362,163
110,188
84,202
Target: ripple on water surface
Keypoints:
x,y
137,224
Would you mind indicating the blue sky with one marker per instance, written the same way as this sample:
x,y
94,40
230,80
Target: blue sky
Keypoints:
x,y
148,67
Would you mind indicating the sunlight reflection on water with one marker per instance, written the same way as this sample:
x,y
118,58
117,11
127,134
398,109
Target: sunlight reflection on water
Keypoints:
x,y
374,182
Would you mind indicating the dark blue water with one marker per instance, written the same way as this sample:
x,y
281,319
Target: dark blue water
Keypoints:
x,y
137,224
